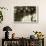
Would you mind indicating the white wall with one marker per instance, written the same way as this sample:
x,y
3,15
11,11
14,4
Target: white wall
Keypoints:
x,y
23,29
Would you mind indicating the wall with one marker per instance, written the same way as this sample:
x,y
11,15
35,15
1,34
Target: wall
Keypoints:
x,y
23,29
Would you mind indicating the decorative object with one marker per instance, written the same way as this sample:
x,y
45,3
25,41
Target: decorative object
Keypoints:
x,y
39,34
32,37
13,36
25,14
7,28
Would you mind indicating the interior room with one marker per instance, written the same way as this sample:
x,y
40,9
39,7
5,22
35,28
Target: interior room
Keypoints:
x,y
22,29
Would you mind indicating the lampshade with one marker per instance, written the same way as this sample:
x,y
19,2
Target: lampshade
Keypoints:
x,y
7,28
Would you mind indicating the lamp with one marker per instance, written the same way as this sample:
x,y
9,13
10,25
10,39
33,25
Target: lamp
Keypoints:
x,y
7,28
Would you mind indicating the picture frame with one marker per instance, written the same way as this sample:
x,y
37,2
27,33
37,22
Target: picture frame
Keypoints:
x,y
26,14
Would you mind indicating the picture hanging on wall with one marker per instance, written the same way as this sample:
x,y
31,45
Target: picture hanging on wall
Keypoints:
x,y
25,14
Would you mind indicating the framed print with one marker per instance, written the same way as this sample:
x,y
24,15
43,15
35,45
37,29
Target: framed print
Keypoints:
x,y
25,14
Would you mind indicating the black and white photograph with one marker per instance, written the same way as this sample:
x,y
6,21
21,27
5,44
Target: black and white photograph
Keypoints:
x,y
25,14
